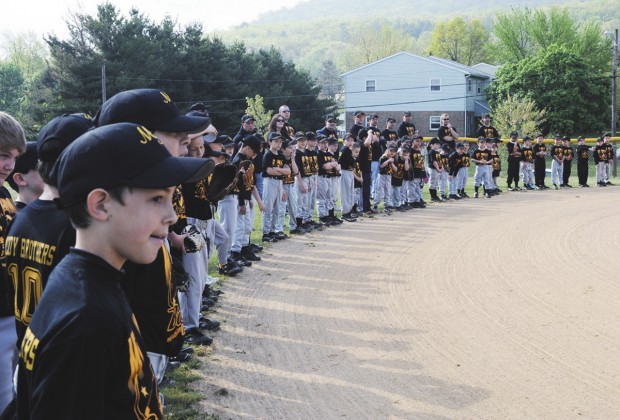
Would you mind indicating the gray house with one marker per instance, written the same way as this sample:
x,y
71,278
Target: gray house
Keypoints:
x,y
425,86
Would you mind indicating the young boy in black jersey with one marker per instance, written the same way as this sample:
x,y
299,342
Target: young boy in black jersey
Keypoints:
x,y
12,144
386,168
313,161
347,179
600,160
25,179
540,165
88,354
327,165
289,195
583,156
496,169
419,172
444,157
333,146
569,154
358,180
402,165
483,160
610,157
456,164
434,163
557,162
274,171
463,173
527,164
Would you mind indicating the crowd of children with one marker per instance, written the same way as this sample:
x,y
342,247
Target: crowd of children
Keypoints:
x,y
105,252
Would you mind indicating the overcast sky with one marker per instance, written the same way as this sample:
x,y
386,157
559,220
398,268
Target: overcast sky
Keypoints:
x,y
46,16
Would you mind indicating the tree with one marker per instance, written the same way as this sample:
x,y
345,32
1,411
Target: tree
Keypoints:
x,y
330,81
256,108
517,114
522,33
558,80
11,88
369,44
460,41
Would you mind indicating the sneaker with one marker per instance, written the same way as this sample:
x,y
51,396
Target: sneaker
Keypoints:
x,y
475,195
510,188
568,186
454,197
297,231
268,238
255,248
444,197
326,221
585,186
280,235
487,195
555,187
239,259
336,220
195,336
518,189
608,183
401,208
436,200
207,324
464,195
181,357
348,217
249,255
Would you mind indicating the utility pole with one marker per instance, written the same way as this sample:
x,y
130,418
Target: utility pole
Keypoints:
x,y
614,82
103,82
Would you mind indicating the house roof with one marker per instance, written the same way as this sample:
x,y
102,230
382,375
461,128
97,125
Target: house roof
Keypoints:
x,y
441,61
487,68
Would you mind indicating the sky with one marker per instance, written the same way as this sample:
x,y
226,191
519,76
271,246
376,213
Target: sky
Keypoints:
x,y
47,16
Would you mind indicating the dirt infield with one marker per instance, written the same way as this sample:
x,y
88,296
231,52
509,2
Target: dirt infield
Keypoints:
x,y
480,309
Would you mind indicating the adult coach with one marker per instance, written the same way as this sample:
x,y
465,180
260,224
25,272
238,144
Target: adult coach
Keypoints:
x,y
446,133
487,130
406,127
358,123
288,131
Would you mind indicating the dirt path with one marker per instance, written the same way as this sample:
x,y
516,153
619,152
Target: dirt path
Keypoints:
x,y
484,309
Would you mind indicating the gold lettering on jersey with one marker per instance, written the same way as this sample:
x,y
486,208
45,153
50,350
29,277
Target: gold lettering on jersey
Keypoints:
x,y
32,250
167,99
28,350
175,323
178,202
10,245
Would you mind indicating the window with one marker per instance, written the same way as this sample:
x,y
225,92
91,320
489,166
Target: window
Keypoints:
x,y
478,87
435,85
371,85
435,122
468,85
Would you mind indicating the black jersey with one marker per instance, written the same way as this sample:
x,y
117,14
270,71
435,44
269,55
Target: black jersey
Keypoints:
x,y
323,158
497,161
479,154
527,154
399,174
355,129
539,148
387,169
557,152
85,358
488,132
600,153
179,208
358,172
245,180
434,156
328,133
390,135
417,161
7,213
365,158
303,163
272,160
610,151
37,241
445,161
153,300
377,146
456,162
466,160
406,129
290,178
443,132
514,151
313,160
346,160
583,153
569,154
288,131
197,205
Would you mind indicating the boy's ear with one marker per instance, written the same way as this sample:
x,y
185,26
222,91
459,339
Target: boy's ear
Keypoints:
x,y
19,179
97,204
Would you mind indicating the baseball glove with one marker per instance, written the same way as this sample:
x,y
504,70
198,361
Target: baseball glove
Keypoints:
x,y
222,181
194,241
180,278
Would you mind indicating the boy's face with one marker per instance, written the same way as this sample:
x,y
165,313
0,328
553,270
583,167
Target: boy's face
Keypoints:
x,y
310,144
460,150
137,229
391,153
176,143
606,139
355,152
482,145
435,146
275,145
417,143
466,147
539,140
230,150
7,163
288,151
196,147
494,148
348,142
333,147
323,146
301,144
249,152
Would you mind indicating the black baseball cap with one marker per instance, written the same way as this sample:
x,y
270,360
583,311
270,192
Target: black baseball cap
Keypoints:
x,y
214,153
287,143
391,119
540,135
514,134
460,146
330,118
247,118
434,140
347,135
200,107
374,116
557,136
123,154
527,138
300,135
445,148
607,135
321,138
228,143
63,129
218,139
151,108
25,163
405,138
274,135
482,139
407,114
566,138
599,139
331,140
253,142
580,138
486,115
362,134
310,135
359,113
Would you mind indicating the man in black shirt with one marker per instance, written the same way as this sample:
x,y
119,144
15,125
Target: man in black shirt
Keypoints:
x,y
377,151
330,128
446,133
389,134
288,131
406,127
487,130
358,123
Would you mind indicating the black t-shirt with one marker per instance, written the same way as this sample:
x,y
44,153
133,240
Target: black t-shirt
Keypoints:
x,y
497,162
153,300
7,213
323,158
456,162
245,181
568,154
377,147
481,155
610,151
358,172
417,161
197,205
290,178
466,161
328,133
38,239
538,148
272,160
512,149
288,131
313,160
399,174
527,154
583,153
443,132
445,161
85,358
600,153
355,129
346,160
179,208
434,156
303,163
364,158
488,132
557,151
406,129
389,135
387,169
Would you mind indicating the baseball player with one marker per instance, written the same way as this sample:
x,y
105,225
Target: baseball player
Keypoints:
x,y
312,157
583,157
274,171
610,157
444,157
333,146
347,180
483,160
419,172
569,154
89,352
514,161
12,144
463,173
357,184
456,164
327,165
25,179
289,195
401,163
527,158
434,163
540,153
386,169
389,134
600,159
303,184
496,167
366,139
557,154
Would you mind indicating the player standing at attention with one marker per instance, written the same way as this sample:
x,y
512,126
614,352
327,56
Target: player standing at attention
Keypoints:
x,y
540,166
583,157
557,154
